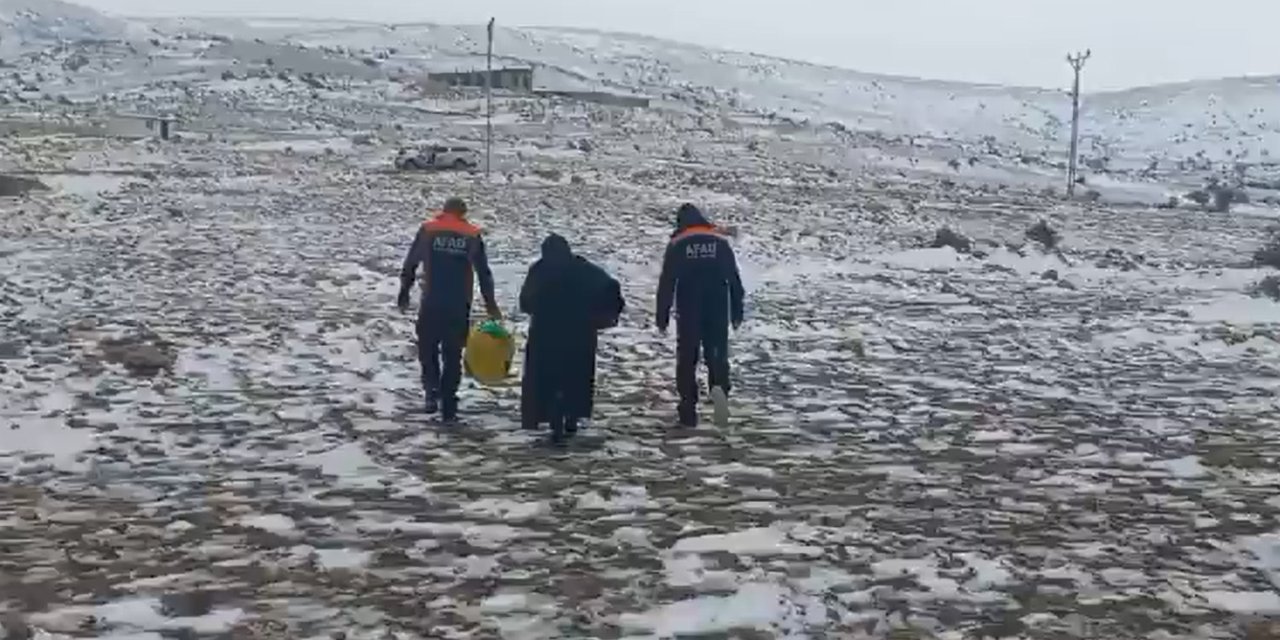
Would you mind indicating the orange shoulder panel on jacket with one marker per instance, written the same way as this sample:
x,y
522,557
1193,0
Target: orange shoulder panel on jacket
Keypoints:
x,y
452,224
697,230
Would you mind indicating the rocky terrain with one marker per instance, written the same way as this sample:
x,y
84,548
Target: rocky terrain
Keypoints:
x,y
964,407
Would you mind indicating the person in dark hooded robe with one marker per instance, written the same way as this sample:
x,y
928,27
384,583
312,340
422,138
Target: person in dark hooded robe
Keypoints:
x,y
569,300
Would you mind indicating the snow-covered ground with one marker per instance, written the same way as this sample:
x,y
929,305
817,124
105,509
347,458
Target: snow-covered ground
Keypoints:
x,y
209,424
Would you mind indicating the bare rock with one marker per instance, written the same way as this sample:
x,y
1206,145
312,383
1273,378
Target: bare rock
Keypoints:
x,y
1115,258
12,350
945,237
15,186
1047,236
1269,287
260,629
1263,630
186,604
15,627
553,175
1268,255
1223,196
390,558
75,62
143,354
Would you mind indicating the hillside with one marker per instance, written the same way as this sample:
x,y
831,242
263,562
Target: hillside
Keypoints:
x,y
1194,127
888,104
27,23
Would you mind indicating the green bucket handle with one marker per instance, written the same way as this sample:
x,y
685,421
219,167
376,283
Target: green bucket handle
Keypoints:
x,y
494,328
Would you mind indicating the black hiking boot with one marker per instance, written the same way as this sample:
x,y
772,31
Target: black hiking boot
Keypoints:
x,y
432,402
688,416
571,426
449,410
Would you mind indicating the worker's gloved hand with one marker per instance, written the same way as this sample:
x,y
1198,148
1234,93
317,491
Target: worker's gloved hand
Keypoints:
x,y
736,321
494,311
402,300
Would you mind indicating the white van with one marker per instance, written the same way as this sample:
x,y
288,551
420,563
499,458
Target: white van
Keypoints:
x,y
437,157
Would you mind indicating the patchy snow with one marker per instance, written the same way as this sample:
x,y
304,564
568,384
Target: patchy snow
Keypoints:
x,y
50,440
343,558
140,615
202,357
88,186
273,523
1186,467
1238,309
1248,602
753,606
298,145
750,542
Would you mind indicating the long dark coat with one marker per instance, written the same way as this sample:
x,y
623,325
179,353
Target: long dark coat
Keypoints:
x,y
569,300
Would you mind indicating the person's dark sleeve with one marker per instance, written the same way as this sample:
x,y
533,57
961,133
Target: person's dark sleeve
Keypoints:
x,y
608,304
606,292
618,303
667,287
529,291
480,262
734,278
411,261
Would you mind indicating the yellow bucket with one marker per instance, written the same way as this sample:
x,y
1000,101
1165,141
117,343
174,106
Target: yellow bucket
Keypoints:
x,y
489,353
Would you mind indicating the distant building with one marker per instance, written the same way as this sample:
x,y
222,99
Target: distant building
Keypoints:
x,y
599,97
138,126
513,79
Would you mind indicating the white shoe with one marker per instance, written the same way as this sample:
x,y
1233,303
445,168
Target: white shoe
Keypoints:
x,y
720,400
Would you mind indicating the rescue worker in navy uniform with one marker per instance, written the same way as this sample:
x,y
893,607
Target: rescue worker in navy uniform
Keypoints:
x,y
700,275
450,250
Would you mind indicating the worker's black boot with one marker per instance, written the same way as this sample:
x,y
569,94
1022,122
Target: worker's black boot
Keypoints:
x,y
449,410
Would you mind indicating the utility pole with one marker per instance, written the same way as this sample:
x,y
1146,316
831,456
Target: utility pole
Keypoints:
x,y
1077,63
488,99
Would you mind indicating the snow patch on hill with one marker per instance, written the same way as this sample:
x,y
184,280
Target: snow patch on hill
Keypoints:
x,y
27,22
1148,132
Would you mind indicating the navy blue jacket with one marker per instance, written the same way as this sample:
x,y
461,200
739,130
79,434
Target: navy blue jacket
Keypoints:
x,y
449,249
699,274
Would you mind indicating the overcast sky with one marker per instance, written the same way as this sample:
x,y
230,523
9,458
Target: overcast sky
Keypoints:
x,y
1134,42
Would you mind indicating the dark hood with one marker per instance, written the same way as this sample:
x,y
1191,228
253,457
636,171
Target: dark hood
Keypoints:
x,y
556,249
689,216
